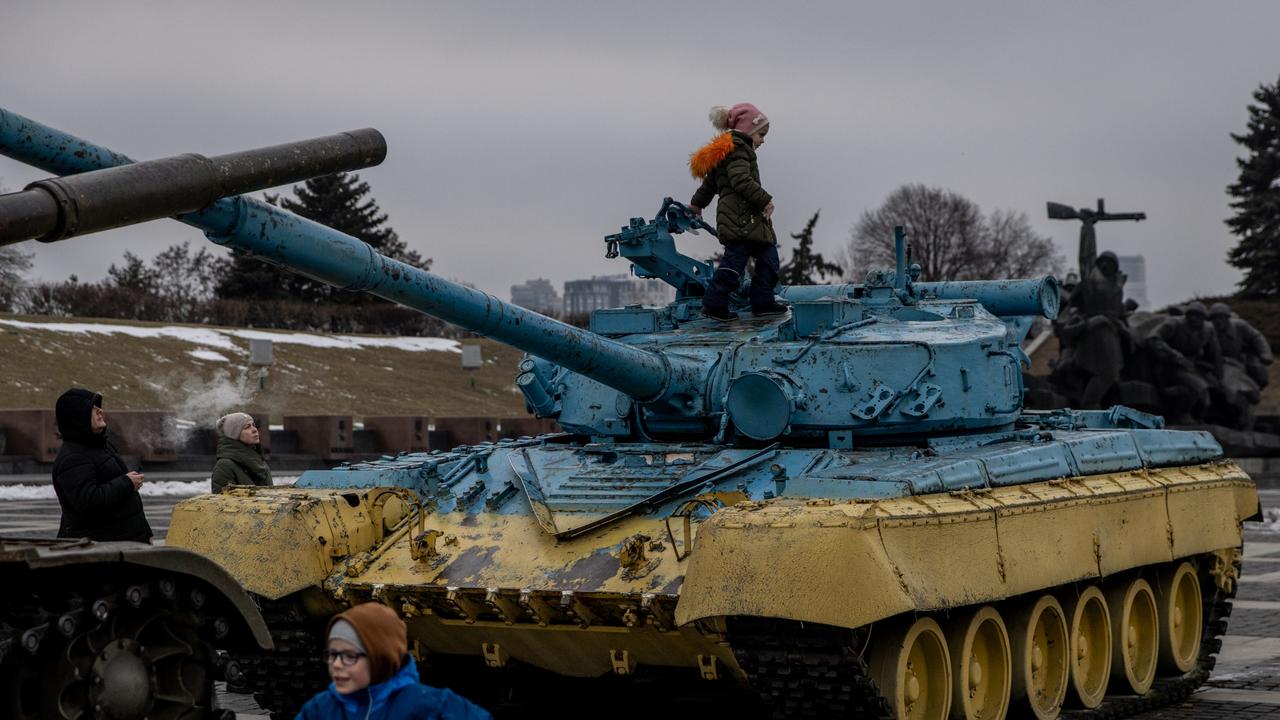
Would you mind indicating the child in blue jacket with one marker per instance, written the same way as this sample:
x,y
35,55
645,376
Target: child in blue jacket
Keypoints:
x,y
374,677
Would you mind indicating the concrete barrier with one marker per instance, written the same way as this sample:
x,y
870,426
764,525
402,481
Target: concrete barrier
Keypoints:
x,y
520,425
401,433
31,432
149,434
203,440
329,436
467,429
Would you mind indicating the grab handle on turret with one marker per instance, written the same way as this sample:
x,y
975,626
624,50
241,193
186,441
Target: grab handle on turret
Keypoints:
x,y
681,218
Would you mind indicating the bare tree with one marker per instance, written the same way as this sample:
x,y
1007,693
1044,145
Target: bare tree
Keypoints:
x,y
14,263
1014,250
950,238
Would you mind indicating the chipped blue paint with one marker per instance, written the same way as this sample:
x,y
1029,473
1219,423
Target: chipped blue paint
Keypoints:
x,y
579,483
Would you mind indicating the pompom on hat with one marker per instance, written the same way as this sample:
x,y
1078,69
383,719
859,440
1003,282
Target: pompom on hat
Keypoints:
x,y
743,117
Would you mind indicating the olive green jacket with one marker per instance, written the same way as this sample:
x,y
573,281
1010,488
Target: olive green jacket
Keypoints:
x,y
728,167
239,464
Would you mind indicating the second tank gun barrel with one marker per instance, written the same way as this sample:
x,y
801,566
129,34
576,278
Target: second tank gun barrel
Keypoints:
x,y
1004,298
63,207
322,253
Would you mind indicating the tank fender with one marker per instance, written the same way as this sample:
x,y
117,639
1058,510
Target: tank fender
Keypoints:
x,y
855,562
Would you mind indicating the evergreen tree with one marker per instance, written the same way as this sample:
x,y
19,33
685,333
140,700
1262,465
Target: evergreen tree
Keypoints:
x,y
133,275
339,201
805,266
1256,197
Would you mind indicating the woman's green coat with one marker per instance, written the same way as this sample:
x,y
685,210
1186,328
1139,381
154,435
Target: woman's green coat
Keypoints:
x,y
239,464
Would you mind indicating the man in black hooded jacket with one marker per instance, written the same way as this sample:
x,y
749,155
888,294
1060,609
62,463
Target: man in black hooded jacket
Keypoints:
x,y
98,494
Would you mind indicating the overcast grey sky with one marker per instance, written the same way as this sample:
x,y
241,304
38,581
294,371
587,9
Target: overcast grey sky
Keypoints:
x,y
522,133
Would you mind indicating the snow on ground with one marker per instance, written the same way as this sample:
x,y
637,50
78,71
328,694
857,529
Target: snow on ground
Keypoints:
x,y
160,488
198,336
221,337
1270,519
208,355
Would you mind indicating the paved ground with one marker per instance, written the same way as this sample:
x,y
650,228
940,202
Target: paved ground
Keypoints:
x,y
1245,685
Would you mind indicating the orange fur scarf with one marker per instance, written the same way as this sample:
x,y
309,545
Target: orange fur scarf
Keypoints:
x,y
702,162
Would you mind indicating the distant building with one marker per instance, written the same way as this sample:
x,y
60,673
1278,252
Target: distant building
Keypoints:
x,y
608,291
536,295
1135,269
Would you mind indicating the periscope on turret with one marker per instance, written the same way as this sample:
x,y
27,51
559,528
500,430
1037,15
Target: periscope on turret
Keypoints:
x,y
857,479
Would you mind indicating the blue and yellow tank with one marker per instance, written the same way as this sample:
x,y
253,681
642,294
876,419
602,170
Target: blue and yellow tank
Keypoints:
x,y
846,507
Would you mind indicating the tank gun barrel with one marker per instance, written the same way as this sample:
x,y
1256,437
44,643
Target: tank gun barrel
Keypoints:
x,y
62,207
320,252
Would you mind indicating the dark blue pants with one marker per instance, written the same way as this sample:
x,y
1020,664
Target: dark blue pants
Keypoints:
x,y
729,274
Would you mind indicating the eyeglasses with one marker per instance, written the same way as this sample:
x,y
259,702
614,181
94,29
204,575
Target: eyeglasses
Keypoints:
x,y
346,657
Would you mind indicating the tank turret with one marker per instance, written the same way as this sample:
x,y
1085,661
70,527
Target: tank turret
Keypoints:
x,y
855,481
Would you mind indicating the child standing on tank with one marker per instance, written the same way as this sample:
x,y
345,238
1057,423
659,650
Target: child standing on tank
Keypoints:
x,y
727,167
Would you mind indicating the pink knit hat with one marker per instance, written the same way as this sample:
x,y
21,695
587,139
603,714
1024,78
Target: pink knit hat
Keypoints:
x,y
743,117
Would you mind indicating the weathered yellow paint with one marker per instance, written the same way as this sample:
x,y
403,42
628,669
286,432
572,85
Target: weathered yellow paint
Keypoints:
x,y
459,579
276,541
852,563
573,651
513,552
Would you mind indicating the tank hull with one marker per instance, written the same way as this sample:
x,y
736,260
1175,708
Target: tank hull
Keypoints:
x,y
641,591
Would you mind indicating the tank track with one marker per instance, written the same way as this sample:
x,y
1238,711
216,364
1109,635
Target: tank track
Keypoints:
x,y
807,670
282,680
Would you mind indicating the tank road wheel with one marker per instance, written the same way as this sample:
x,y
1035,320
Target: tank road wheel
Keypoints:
x,y
1090,630
910,665
1180,610
137,664
1135,634
1039,650
980,666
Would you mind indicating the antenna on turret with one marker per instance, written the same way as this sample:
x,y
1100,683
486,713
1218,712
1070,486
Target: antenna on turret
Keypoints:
x,y
900,259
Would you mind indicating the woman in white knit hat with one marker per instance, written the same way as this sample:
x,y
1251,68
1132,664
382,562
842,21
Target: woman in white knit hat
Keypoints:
x,y
240,460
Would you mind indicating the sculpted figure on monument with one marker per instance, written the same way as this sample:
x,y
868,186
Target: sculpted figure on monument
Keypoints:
x,y
1092,331
1102,340
1187,362
1246,358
